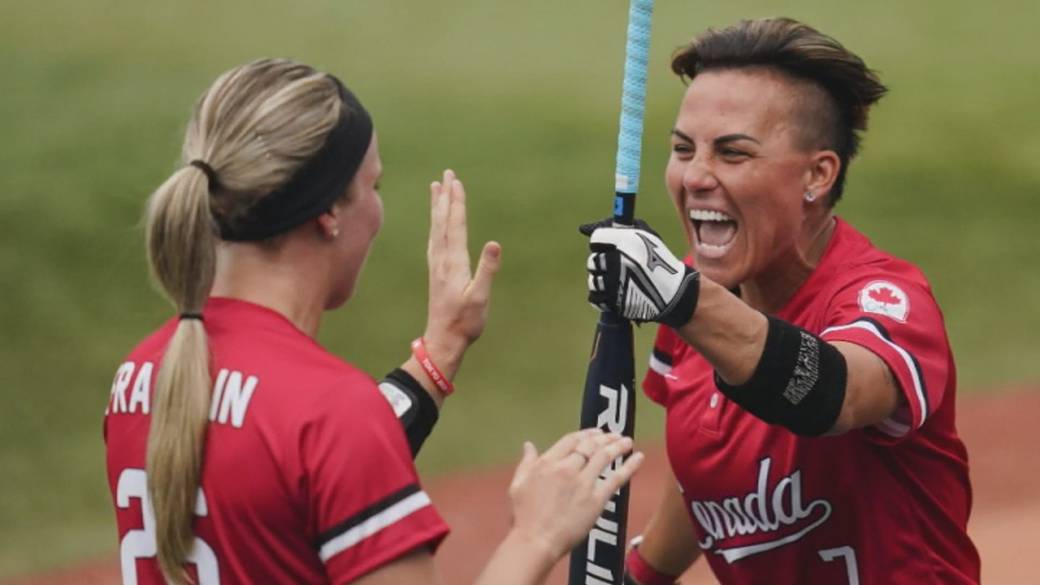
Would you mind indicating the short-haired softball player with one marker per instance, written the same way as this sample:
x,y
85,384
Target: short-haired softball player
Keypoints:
x,y
806,374
240,450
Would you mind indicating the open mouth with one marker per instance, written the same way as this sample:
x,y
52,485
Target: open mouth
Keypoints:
x,y
714,231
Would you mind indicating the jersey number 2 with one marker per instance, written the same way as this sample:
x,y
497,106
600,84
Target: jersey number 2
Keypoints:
x,y
140,544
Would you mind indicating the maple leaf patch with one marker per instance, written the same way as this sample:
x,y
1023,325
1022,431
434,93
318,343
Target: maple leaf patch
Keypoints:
x,y
884,298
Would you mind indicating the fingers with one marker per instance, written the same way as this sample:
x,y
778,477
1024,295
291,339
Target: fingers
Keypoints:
x,y
567,443
607,452
530,453
589,447
597,262
596,283
586,229
458,297
439,209
619,477
487,267
602,267
527,460
457,213
597,268
448,232
558,495
642,225
609,236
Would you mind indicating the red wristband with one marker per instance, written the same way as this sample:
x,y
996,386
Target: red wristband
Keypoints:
x,y
439,379
637,568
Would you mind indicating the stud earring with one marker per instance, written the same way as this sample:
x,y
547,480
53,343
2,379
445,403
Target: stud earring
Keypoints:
x,y
809,197
335,233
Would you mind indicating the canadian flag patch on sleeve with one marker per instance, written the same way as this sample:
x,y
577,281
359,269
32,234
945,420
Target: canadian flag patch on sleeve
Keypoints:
x,y
884,298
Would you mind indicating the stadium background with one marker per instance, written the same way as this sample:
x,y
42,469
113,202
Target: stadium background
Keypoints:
x,y
521,99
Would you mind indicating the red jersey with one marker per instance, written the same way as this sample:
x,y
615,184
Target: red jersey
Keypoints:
x,y
307,476
883,505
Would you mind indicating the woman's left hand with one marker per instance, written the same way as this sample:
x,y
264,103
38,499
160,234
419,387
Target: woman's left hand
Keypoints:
x,y
459,299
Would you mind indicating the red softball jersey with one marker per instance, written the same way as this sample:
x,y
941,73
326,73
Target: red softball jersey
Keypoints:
x,y
885,505
307,476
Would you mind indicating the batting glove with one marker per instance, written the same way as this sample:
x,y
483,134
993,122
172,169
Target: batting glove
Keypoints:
x,y
632,273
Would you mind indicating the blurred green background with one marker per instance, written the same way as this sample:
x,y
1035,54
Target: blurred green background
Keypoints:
x,y
521,98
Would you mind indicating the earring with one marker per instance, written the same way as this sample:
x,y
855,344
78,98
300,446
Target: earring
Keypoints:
x,y
809,197
335,233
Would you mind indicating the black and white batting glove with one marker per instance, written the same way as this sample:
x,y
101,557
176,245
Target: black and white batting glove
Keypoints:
x,y
632,273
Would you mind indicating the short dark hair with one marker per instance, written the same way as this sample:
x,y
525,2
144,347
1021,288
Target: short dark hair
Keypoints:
x,y
801,52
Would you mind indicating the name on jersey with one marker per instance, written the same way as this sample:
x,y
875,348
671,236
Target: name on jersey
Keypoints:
x,y
761,520
229,402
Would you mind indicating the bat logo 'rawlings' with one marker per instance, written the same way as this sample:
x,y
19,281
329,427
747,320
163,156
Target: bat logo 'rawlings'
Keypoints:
x,y
653,259
611,419
885,298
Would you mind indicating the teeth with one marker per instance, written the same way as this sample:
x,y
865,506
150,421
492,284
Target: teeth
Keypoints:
x,y
709,215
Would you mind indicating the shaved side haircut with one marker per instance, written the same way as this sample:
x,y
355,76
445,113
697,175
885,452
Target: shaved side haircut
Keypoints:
x,y
836,88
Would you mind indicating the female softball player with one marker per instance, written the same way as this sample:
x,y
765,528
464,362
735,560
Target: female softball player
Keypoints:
x,y
807,375
241,451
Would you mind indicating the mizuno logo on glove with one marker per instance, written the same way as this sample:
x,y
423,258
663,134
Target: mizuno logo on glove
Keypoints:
x,y
654,260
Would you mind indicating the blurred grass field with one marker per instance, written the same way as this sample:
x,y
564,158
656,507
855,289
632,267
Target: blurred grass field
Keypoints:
x,y
520,98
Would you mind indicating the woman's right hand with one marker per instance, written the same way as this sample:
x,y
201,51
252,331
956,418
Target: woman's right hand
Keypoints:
x,y
557,496
556,499
459,300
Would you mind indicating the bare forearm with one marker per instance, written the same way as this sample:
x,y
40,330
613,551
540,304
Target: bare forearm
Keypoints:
x,y
731,336
669,544
727,332
517,561
872,393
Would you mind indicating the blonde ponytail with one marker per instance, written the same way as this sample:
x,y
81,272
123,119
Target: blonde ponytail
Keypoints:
x,y
181,251
255,126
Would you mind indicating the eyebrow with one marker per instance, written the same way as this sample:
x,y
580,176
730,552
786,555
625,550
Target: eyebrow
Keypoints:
x,y
676,132
718,141
733,138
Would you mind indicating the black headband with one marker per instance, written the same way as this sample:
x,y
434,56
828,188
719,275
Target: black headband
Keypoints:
x,y
313,189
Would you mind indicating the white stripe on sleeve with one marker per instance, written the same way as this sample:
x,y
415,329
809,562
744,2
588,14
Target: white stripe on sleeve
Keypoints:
x,y
373,525
890,427
910,366
659,366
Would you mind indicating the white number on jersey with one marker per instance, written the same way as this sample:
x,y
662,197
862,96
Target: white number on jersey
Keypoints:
x,y
849,555
140,544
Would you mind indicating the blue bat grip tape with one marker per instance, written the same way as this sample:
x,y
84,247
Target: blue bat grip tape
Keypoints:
x,y
633,97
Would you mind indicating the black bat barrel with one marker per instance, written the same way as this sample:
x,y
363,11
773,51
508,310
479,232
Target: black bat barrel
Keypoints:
x,y
609,402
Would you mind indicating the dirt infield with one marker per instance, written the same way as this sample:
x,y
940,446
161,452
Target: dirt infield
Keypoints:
x,y
1000,430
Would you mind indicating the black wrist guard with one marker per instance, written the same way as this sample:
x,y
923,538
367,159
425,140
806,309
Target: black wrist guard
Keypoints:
x,y
413,406
799,382
685,302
